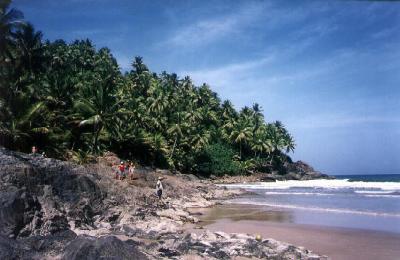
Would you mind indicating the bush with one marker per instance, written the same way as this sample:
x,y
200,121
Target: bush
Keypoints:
x,y
217,159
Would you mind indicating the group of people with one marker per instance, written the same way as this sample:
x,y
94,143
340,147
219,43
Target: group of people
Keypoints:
x,y
128,169
125,169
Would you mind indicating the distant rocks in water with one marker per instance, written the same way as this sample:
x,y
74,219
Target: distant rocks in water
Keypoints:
x,y
293,171
302,171
51,209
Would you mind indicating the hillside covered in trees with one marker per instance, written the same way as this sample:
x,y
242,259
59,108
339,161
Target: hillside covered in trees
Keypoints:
x,y
72,101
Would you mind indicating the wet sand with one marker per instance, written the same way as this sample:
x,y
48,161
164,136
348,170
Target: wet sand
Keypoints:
x,y
336,243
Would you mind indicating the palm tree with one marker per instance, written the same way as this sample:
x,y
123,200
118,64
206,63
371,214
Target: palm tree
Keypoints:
x,y
10,20
258,117
100,112
260,143
227,110
241,133
200,140
175,132
29,49
20,127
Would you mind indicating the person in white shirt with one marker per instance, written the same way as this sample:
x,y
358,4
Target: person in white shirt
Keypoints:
x,y
159,188
131,170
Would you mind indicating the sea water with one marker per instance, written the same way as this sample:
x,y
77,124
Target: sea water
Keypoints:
x,y
370,202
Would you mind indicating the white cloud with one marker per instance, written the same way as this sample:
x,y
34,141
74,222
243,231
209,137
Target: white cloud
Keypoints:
x,y
209,30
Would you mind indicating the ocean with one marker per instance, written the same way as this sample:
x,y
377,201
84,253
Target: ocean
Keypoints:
x,y
369,202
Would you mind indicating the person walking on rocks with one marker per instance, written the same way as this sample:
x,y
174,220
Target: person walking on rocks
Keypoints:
x,y
121,169
131,170
159,188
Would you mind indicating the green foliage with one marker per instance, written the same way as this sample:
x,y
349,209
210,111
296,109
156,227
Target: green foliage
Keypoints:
x,y
218,159
71,98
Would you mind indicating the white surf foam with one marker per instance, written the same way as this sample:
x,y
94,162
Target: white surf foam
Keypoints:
x,y
332,210
374,191
325,184
298,193
382,196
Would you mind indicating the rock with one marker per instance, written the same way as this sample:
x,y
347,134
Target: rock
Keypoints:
x,y
189,177
109,247
17,209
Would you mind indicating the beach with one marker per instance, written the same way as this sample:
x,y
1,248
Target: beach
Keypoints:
x,y
336,243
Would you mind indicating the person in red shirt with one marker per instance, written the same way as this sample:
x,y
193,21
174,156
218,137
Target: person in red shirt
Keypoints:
x,y
121,168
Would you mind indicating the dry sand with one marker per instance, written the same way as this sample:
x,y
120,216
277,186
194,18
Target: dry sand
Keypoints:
x,y
337,243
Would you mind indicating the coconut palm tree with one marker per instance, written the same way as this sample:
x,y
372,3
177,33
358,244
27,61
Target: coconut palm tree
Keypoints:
x,y
175,132
260,142
100,112
29,49
258,117
241,133
10,20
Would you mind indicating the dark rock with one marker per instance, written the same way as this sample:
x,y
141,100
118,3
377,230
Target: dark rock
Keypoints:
x,y
37,195
17,209
302,171
8,248
110,247
167,252
267,178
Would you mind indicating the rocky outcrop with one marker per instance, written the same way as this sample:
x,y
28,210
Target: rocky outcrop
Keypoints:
x,y
50,209
220,245
108,247
40,196
302,171
293,171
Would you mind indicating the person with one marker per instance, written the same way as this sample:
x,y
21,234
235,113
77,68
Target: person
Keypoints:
x,y
34,150
131,170
159,188
115,168
126,170
121,168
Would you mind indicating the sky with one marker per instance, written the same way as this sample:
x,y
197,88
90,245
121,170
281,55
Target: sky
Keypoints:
x,y
328,69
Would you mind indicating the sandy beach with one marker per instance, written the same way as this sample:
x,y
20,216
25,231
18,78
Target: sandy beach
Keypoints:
x,y
336,243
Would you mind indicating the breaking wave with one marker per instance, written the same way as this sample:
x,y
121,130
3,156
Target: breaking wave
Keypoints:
x,y
324,184
298,193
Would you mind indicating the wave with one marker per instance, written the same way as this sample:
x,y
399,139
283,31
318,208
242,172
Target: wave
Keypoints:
x,y
325,184
298,193
382,196
332,210
374,191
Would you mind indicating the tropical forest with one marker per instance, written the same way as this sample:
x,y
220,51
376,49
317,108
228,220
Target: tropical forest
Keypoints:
x,y
73,102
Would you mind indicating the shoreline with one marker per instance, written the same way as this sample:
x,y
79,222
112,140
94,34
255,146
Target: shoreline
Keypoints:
x,y
336,243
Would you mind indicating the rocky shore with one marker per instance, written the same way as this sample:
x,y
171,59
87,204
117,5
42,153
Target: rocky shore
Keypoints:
x,y
51,209
294,171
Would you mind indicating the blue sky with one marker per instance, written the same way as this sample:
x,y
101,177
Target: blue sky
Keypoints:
x,y
329,70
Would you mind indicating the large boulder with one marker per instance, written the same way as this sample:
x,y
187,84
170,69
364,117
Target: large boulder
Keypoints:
x,y
17,210
40,196
302,171
109,247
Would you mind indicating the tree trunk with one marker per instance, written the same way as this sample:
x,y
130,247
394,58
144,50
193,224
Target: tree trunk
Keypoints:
x,y
240,149
96,138
173,147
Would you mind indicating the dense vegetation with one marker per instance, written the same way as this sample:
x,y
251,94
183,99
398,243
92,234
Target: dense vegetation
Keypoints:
x,y
72,101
